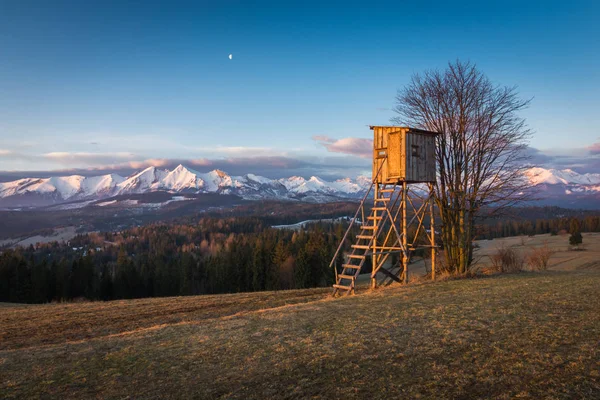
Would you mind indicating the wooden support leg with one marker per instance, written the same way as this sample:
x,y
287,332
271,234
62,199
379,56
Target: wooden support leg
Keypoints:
x,y
404,233
432,228
375,232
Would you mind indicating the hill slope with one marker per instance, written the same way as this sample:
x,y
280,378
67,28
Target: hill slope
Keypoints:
x,y
529,335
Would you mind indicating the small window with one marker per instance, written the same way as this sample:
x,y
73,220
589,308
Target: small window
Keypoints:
x,y
415,151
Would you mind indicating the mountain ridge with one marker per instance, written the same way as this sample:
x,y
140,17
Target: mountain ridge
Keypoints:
x,y
560,185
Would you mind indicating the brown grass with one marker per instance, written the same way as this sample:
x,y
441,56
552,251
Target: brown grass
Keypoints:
x,y
529,335
32,326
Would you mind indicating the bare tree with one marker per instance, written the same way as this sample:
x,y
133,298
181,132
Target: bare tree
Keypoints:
x,y
480,152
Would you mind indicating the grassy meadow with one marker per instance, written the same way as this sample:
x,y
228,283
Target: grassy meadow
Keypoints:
x,y
524,335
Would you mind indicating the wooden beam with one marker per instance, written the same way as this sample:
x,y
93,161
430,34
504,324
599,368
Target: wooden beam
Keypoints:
x,y
389,274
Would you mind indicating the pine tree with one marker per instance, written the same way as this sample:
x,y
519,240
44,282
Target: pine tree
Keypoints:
x,y
258,267
576,239
39,283
279,259
302,272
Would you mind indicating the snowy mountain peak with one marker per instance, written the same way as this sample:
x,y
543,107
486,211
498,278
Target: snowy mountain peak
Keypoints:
x,y
216,173
148,175
146,180
293,182
181,179
179,169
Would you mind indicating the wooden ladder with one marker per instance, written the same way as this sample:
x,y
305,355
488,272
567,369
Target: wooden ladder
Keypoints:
x,y
362,247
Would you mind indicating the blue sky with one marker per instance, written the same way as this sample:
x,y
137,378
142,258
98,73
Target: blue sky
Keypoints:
x,y
121,85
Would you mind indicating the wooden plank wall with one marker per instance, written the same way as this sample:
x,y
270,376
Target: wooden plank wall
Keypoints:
x,y
431,175
420,150
404,163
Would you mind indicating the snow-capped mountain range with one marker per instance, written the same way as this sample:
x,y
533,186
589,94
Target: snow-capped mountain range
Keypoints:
x,y
34,192
566,177
565,185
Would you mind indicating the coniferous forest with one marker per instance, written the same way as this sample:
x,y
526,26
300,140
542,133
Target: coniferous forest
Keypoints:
x,y
207,256
215,255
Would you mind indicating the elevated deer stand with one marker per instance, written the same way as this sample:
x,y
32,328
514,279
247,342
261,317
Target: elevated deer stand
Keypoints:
x,y
404,171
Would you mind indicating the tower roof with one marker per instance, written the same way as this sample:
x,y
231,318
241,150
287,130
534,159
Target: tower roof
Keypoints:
x,y
416,130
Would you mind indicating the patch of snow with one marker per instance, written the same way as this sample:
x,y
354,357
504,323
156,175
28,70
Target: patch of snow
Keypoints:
x,y
302,224
73,206
106,203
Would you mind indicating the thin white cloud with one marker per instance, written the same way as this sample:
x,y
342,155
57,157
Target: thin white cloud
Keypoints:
x,y
202,162
580,159
85,155
86,158
346,157
243,150
15,155
133,165
354,146
333,167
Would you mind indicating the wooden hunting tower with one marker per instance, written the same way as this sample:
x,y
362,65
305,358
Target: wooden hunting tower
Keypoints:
x,y
404,171
404,155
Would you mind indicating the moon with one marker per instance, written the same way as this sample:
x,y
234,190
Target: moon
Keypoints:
x,y
230,56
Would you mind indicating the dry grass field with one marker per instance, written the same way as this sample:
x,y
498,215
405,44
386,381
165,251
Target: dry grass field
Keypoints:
x,y
525,335
562,259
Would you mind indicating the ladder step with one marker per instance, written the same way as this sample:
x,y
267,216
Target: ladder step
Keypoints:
x,y
371,217
351,266
364,237
351,277
342,287
387,190
356,256
360,246
383,199
379,208
371,227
